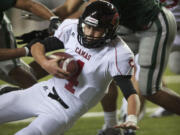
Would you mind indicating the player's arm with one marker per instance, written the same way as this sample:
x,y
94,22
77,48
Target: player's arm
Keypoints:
x,y
49,44
6,54
66,9
41,11
63,11
35,8
80,10
38,51
129,92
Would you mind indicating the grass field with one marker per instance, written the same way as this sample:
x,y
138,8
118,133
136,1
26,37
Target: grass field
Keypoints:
x,y
169,125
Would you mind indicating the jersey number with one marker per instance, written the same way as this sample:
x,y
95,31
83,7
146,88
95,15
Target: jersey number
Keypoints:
x,y
73,81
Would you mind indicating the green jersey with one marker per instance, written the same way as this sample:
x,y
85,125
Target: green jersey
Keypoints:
x,y
137,14
4,5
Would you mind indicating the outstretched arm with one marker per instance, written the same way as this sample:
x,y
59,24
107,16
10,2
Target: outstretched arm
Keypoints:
x,y
126,86
41,11
35,8
80,10
6,54
71,8
68,8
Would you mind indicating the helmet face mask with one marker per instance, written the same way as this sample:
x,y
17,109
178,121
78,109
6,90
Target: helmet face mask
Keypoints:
x,y
99,15
91,41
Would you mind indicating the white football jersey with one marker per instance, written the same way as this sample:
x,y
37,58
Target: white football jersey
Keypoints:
x,y
97,66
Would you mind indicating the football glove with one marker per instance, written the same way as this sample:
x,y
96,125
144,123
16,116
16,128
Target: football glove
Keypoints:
x,y
28,37
54,24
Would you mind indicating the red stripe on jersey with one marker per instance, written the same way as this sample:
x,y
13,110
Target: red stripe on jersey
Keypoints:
x,y
116,61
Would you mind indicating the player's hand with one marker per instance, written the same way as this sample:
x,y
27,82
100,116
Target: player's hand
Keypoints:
x,y
54,24
52,68
127,125
28,37
29,45
131,123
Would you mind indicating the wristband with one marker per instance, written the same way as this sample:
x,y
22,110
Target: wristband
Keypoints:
x,y
54,17
132,118
26,51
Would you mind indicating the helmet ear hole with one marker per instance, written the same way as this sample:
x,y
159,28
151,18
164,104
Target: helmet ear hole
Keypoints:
x,y
100,14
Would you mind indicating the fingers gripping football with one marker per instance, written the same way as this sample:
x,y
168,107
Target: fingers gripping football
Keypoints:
x,y
68,64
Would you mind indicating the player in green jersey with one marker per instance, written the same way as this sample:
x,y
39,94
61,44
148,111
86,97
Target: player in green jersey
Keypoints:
x,y
10,68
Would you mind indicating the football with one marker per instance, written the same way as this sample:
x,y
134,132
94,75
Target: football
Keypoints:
x,y
69,64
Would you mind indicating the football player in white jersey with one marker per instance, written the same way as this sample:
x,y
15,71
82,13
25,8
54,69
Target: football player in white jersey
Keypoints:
x,y
28,23
111,105
59,102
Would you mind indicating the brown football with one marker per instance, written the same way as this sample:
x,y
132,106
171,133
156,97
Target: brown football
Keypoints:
x,y
69,64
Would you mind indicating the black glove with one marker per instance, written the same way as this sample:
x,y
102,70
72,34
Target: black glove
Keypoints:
x,y
54,24
28,37
29,45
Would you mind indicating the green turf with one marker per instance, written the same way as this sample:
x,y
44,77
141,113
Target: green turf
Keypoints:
x,y
88,126
148,126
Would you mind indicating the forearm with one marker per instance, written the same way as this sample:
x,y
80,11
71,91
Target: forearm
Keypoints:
x,y
62,12
80,10
127,88
38,52
133,105
35,8
68,8
48,64
6,54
